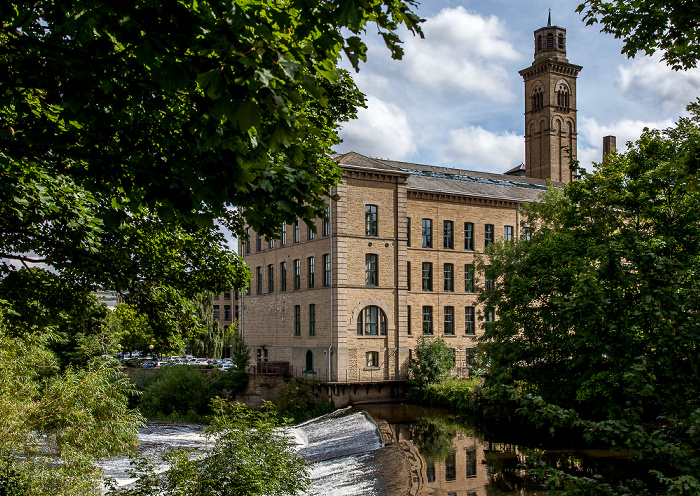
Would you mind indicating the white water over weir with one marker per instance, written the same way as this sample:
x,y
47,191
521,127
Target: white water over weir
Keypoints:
x,y
341,447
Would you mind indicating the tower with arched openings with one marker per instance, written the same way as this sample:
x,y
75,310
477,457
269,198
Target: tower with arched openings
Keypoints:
x,y
550,107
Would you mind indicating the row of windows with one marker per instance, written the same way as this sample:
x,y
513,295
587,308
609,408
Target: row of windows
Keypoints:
x,y
448,320
371,321
227,312
449,277
295,234
448,234
296,275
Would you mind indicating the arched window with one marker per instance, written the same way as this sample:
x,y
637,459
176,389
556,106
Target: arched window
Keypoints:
x,y
537,99
550,40
563,96
309,361
539,43
560,41
371,321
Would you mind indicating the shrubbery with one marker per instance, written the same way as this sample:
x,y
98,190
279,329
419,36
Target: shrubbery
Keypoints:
x,y
183,392
297,401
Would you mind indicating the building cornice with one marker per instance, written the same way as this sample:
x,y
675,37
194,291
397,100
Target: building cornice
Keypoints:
x,y
371,174
417,194
550,66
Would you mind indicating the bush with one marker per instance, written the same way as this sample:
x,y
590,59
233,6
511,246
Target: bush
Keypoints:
x,y
178,390
433,362
297,401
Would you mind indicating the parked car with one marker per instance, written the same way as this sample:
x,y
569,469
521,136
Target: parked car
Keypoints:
x,y
225,367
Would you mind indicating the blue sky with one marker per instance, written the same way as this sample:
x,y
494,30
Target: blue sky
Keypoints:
x,y
456,99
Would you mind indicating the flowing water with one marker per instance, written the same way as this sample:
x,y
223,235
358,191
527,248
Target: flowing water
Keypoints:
x,y
379,450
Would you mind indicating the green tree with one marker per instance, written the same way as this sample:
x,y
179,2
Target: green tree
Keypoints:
x,y
55,425
136,334
209,340
648,26
598,322
127,132
240,354
432,363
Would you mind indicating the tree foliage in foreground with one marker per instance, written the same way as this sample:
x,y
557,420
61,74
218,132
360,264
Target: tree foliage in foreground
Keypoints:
x,y
670,26
55,426
252,455
599,312
134,134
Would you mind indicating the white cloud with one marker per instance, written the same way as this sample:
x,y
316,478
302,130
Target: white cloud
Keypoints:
x,y
591,134
479,149
461,52
650,80
381,130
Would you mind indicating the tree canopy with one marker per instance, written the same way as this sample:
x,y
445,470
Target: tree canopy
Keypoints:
x,y
646,26
134,134
598,318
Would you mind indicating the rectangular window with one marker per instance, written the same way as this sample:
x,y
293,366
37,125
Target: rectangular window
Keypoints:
x,y
427,233
297,274
227,312
408,231
258,242
469,236
451,466
283,276
408,320
247,240
450,320
297,320
372,358
427,279
469,321
327,222
507,233
311,271
309,233
236,310
295,230
489,283
326,270
371,220
258,272
427,320
271,243
371,273
312,319
448,240
216,312
469,278
449,277
408,276
227,295
270,278
490,314
488,234
527,232
471,464
283,234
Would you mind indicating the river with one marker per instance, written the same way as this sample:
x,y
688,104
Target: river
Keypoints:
x,y
378,450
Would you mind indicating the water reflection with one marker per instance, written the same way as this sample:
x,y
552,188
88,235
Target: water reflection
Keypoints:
x,y
442,459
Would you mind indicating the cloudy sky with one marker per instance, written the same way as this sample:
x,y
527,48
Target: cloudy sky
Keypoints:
x,y
457,100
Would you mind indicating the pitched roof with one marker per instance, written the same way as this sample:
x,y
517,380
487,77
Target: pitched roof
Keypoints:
x,y
454,181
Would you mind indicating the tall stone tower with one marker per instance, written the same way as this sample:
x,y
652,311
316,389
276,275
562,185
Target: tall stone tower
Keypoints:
x,y
550,107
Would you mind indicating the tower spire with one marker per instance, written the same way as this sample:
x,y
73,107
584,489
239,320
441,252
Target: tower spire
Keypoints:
x,y
549,19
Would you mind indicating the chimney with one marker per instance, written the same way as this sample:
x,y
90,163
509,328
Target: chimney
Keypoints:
x,y
609,145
